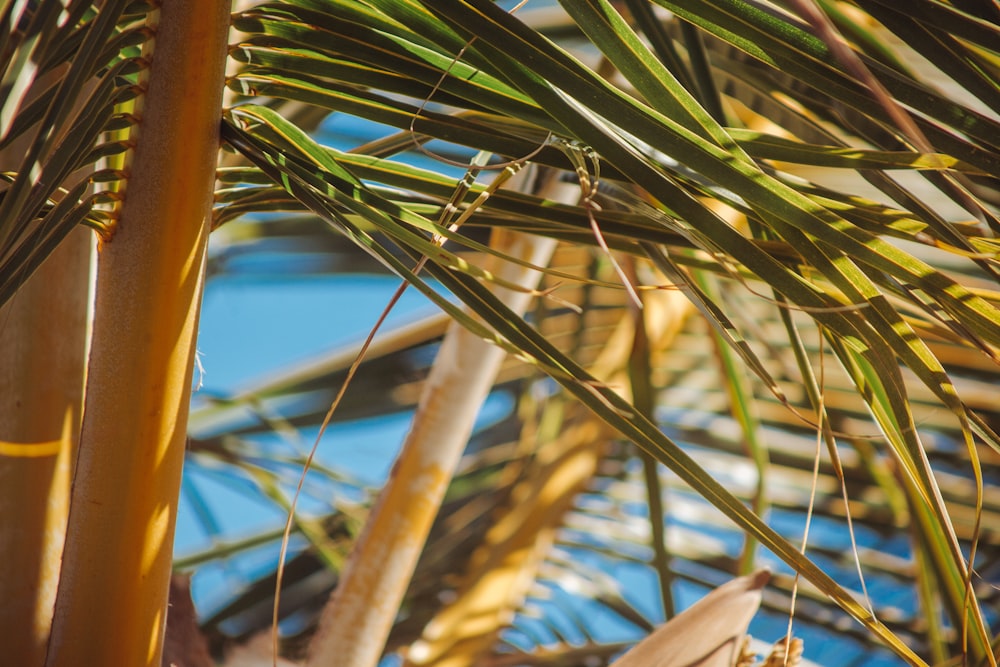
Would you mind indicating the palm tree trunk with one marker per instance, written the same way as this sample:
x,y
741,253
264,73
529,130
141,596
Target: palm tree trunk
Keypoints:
x,y
111,604
43,352
357,620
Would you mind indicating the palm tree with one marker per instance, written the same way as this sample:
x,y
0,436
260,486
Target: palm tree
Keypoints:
x,y
682,154
75,78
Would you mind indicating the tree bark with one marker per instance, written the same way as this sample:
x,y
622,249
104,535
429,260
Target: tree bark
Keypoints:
x,y
43,356
112,599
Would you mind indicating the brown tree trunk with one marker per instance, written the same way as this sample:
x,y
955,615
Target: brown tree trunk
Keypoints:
x,y
43,352
112,599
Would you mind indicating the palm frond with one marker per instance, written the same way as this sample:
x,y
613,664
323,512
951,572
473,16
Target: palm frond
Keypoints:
x,y
69,82
869,319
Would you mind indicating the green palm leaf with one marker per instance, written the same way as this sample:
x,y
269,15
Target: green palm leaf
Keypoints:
x,y
66,87
870,298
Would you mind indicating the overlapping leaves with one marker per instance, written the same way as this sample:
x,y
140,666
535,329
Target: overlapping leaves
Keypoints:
x,y
668,162
68,84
